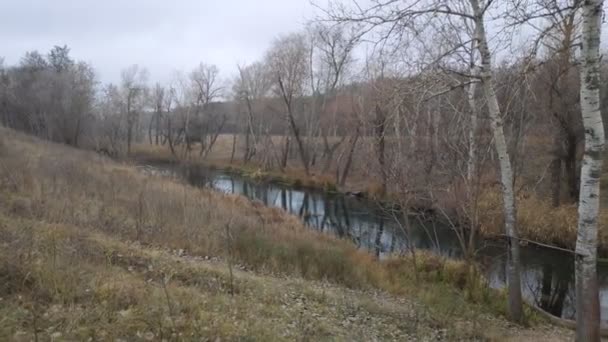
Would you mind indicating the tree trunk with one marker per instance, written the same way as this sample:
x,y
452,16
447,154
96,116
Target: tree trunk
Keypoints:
x,y
472,158
285,152
250,144
301,149
571,167
294,127
556,181
233,148
150,132
556,168
129,124
587,296
472,181
247,147
349,159
158,115
380,145
506,171
170,136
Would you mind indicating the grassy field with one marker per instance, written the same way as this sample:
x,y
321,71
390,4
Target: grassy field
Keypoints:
x,y
93,249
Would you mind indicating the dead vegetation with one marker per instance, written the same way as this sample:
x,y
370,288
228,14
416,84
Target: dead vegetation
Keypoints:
x,y
92,249
537,219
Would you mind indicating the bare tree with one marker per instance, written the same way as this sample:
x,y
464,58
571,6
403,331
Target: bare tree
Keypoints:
x,y
158,100
252,85
111,130
204,124
133,84
288,60
331,56
414,18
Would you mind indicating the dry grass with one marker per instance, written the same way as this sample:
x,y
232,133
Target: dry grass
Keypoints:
x,y
74,284
96,249
64,186
358,179
537,220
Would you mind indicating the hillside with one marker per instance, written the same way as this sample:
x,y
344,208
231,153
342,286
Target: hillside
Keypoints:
x,y
93,249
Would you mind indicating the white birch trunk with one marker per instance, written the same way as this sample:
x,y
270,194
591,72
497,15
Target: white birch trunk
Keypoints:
x,y
506,172
587,296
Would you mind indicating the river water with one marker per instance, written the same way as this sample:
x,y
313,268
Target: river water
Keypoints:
x,y
547,275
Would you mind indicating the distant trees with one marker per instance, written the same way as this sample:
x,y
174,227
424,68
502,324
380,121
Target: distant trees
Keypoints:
x,y
51,96
252,85
134,96
205,126
289,65
406,95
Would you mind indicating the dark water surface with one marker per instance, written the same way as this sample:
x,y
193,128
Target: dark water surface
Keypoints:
x,y
547,275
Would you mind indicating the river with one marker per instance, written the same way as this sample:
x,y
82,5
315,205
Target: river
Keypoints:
x,y
547,275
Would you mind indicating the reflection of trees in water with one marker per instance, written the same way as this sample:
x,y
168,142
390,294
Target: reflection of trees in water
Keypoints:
x,y
553,290
393,241
284,199
550,285
378,241
303,213
246,189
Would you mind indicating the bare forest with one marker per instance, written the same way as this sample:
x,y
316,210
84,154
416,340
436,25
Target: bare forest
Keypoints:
x,y
486,115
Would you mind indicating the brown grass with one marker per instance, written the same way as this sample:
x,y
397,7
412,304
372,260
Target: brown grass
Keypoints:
x,y
537,220
63,186
88,251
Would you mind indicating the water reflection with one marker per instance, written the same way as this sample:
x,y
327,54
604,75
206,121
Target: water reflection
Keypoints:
x,y
547,275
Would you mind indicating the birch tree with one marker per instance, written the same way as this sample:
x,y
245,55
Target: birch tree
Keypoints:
x,y
587,296
405,20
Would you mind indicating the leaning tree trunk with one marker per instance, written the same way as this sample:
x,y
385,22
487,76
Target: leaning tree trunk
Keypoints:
x,y
587,296
506,171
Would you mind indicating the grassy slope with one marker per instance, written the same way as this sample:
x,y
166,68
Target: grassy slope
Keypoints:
x,y
94,249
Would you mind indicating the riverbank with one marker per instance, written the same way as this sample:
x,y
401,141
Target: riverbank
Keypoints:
x,y
538,220
93,248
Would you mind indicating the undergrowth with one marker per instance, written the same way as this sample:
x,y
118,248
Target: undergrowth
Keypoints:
x,y
87,249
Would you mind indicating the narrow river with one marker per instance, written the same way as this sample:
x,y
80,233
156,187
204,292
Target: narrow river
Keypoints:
x,y
547,275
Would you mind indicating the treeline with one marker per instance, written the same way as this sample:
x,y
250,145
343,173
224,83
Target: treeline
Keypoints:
x,y
51,96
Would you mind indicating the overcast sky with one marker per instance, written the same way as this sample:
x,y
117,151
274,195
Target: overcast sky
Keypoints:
x,y
160,35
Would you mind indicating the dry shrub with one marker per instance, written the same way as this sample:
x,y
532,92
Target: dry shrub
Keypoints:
x,y
70,259
455,274
537,219
70,187
431,267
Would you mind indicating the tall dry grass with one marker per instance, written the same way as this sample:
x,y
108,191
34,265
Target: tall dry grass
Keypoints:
x,y
60,185
537,219
56,200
